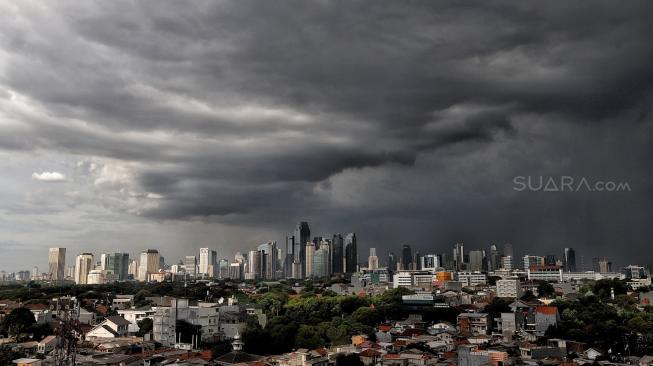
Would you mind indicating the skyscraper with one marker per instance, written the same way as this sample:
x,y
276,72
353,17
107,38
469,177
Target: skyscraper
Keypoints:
x,y
302,236
208,262
337,254
321,261
289,258
351,253
269,259
56,264
117,264
494,261
190,265
508,251
476,260
372,260
406,257
83,266
459,256
570,260
310,257
429,262
392,262
150,262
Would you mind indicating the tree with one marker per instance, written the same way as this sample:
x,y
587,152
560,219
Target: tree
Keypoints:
x,y
351,359
17,323
144,327
545,289
308,337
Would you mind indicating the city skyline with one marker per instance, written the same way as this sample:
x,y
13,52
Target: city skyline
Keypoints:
x,y
175,127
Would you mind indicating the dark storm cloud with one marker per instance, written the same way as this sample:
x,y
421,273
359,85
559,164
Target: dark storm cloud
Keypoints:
x,y
243,107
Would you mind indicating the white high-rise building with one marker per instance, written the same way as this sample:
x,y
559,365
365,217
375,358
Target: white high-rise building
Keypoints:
x,y
83,266
56,264
372,260
310,258
208,262
507,262
430,262
149,264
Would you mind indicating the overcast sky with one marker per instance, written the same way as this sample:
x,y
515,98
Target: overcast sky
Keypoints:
x,y
178,125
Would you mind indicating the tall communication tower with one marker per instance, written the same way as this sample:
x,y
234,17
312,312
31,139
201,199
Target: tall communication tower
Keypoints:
x,y
68,332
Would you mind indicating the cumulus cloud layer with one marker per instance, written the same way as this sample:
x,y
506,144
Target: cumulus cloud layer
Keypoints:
x,y
350,114
49,176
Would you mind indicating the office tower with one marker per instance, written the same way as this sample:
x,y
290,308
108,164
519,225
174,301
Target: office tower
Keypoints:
x,y
605,266
83,266
507,263
302,236
116,264
269,259
104,261
223,268
446,261
417,264
476,258
459,256
190,265
595,264
321,261
308,264
494,262
508,251
289,257
56,264
208,262
337,254
150,262
351,253
255,264
372,260
235,271
429,262
570,260
35,273
133,269
406,257
392,262
239,257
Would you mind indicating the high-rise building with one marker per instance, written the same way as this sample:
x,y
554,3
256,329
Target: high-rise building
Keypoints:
x,y
56,264
508,251
429,262
150,263
190,265
255,264
392,262
269,259
476,258
310,257
507,263
208,262
605,266
83,266
116,265
532,260
337,254
223,271
289,258
406,257
494,261
351,253
235,271
417,263
570,260
302,236
321,261
372,260
133,269
459,257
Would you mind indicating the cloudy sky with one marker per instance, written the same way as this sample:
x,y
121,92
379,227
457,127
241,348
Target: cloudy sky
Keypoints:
x,y
178,125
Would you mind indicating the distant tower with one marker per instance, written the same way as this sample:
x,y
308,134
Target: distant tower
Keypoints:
x,y
372,260
302,236
406,257
392,262
570,260
351,253
56,264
